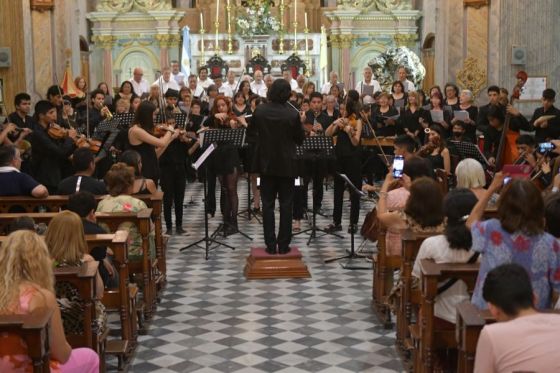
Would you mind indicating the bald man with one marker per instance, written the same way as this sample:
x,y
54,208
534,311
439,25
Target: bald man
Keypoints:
x,y
139,84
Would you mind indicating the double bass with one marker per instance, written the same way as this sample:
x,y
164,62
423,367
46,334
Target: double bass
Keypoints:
x,y
507,150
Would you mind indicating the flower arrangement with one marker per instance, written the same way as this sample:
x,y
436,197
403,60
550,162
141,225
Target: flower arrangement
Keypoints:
x,y
257,19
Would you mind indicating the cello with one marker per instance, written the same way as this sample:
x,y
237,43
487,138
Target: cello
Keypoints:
x,y
507,150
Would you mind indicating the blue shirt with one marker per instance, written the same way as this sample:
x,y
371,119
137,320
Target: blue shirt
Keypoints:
x,y
14,183
538,254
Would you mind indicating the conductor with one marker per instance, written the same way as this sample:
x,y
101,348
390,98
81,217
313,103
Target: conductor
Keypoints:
x,y
278,128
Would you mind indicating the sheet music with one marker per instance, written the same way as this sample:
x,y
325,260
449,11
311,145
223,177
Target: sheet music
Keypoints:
x,y
437,116
204,155
461,115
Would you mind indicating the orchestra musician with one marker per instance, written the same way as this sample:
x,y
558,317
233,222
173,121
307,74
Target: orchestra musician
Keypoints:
x,y
546,129
225,163
348,130
50,155
96,113
142,139
435,150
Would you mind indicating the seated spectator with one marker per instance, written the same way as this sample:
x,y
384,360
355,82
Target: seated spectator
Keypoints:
x,y
470,175
84,166
67,245
22,223
523,339
141,184
423,211
451,247
517,236
84,204
27,284
120,181
12,181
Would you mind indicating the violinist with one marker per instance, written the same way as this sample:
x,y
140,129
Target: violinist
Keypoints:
x,y
435,150
150,147
539,162
24,125
54,96
225,162
96,112
50,155
546,129
172,163
348,129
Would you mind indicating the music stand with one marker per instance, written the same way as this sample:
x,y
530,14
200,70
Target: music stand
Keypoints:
x,y
469,150
125,120
208,240
235,136
354,259
314,148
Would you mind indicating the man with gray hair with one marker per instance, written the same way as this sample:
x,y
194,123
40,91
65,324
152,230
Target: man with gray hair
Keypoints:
x,y
177,74
165,82
258,84
268,80
369,85
333,80
402,77
139,84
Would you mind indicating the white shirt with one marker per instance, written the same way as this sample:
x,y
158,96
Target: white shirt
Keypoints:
x,y
205,83
232,86
226,91
326,89
263,91
257,87
140,88
166,85
198,92
362,90
179,78
408,86
437,248
294,85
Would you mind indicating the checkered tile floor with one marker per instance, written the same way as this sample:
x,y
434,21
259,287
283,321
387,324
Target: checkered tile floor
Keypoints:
x,y
211,319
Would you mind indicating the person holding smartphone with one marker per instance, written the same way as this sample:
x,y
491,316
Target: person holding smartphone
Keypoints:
x,y
348,130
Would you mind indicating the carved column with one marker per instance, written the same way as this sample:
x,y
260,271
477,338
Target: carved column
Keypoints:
x,y
345,47
106,42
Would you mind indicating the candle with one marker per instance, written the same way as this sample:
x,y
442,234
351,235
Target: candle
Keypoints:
x,y
306,20
295,10
201,21
228,17
217,10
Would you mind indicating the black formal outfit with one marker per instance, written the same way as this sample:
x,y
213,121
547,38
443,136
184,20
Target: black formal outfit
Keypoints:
x,y
411,121
95,118
279,129
492,136
378,122
552,131
482,118
470,133
348,163
447,114
316,169
150,164
74,184
50,156
25,122
225,163
172,165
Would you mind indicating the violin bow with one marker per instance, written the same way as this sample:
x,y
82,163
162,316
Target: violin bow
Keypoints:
x,y
362,114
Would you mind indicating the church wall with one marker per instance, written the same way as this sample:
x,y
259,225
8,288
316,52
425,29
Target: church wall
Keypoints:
x,y
12,36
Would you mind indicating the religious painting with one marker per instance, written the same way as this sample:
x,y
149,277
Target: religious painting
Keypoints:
x,y
42,5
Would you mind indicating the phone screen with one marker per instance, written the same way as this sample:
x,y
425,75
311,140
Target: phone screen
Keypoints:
x,y
507,179
545,147
398,164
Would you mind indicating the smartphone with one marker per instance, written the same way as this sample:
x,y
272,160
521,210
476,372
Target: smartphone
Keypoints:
x,y
507,179
398,165
545,147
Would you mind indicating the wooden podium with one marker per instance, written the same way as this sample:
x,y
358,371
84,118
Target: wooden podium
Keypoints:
x,y
261,265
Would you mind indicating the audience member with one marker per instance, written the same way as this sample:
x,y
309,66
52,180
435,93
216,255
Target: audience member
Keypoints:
x,y
13,182
84,167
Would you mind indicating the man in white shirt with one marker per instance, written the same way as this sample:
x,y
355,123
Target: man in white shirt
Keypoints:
x,y
287,75
222,89
231,82
258,85
203,79
196,90
368,86
522,339
165,82
300,82
408,85
333,80
177,74
139,84
268,80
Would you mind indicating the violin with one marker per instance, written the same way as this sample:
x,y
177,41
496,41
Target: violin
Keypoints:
x,y
57,132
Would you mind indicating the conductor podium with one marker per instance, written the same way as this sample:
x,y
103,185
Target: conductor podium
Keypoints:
x,y
262,265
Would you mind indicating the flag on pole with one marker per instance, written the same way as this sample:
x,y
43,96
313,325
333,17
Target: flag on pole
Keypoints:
x,y
186,52
323,57
68,86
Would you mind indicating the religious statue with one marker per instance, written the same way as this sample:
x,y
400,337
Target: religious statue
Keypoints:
x,y
128,5
373,5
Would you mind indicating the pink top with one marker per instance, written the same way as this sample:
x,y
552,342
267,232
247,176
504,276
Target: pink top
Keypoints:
x,y
396,200
13,350
526,344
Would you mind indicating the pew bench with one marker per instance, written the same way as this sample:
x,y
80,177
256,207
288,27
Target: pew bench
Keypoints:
x,y
34,330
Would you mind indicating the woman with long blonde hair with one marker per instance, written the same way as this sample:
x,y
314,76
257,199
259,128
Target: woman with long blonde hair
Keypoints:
x,y
27,284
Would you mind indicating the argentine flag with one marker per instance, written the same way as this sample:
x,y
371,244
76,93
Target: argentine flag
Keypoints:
x,y
186,52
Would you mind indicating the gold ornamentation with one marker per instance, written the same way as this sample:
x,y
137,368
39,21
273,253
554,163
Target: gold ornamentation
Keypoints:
x,y
128,5
405,40
104,41
371,5
471,76
165,40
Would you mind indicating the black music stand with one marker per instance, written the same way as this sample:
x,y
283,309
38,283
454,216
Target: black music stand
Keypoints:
x,y
250,213
354,259
125,120
208,240
235,136
315,147
469,150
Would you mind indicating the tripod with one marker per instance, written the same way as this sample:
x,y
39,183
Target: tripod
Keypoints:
x,y
354,260
208,240
316,147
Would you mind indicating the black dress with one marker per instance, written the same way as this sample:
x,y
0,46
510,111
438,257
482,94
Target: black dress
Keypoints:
x,y
150,166
379,119
225,159
410,121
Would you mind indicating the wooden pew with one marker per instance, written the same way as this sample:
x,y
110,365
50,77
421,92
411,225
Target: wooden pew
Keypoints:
x,y
56,203
113,220
34,330
83,279
408,297
384,266
430,338
470,321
